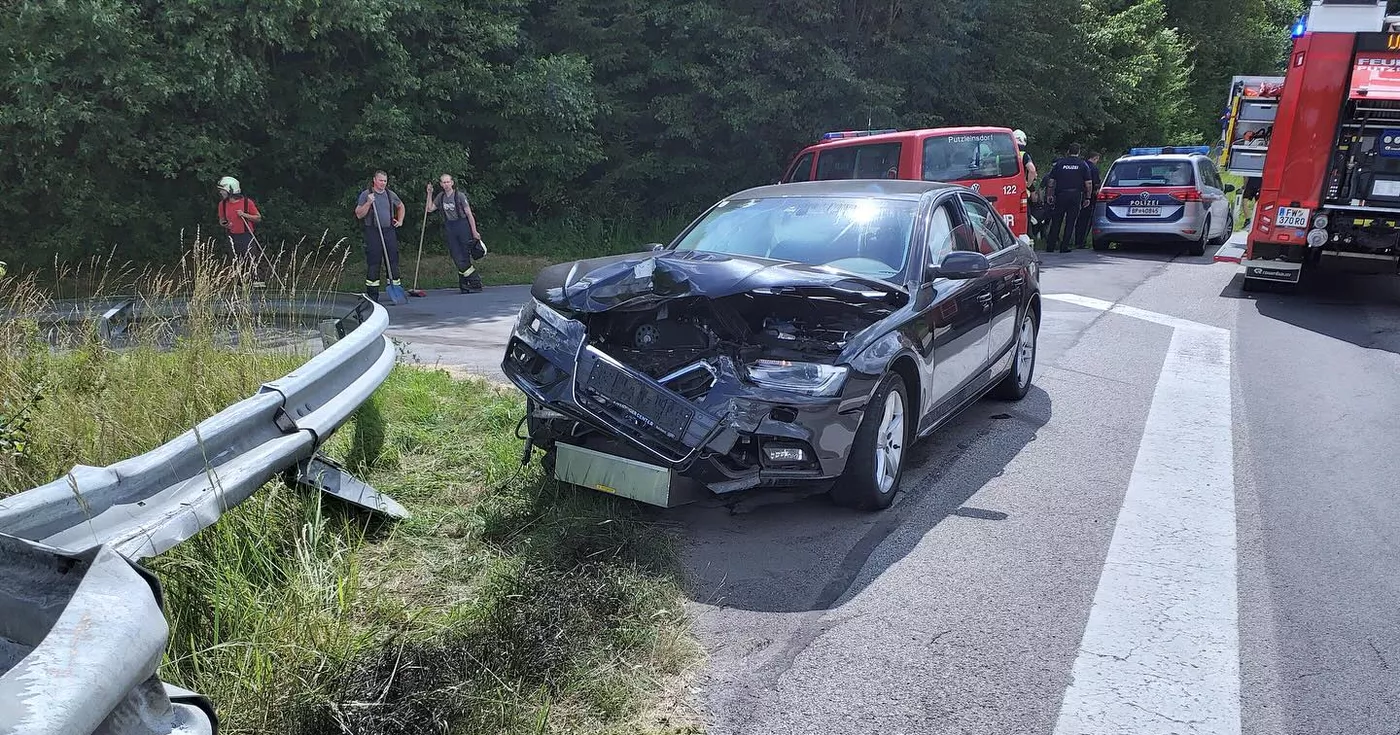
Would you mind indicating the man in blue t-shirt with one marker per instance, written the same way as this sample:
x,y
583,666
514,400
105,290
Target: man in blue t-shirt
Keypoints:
x,y
381,237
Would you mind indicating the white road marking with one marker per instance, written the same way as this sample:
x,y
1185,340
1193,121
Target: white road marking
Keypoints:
x,y
1160,653
1132,311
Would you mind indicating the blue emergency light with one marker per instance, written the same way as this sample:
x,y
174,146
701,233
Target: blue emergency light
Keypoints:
x,y
1300,27
856,134
1201,149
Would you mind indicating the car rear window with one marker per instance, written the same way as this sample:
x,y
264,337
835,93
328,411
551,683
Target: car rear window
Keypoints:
x,y
970,156
873,161
1151,172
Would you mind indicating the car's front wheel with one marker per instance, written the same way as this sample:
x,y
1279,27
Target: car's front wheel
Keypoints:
x,y
877,455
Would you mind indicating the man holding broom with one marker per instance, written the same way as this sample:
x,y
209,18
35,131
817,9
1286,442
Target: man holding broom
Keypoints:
x,y
459,226
381,235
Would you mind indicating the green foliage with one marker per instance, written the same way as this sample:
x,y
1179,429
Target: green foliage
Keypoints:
x,y
121,114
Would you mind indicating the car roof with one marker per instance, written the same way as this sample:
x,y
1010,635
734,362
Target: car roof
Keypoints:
x,y
1164,157
902,135
883,188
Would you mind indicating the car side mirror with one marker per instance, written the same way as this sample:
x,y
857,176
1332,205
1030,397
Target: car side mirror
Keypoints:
x,y
961,265
655,247
1229,188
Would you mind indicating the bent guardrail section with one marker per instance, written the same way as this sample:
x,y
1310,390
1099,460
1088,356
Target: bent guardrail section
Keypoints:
x,y
81,631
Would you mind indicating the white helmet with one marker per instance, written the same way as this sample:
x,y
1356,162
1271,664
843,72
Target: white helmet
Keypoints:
x,y
1020,136
229,184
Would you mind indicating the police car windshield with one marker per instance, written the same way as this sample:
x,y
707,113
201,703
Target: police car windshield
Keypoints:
x,y
970,156
863,235
1151,172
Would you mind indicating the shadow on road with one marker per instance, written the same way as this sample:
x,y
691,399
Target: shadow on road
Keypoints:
x,y
1145,253
1362,309
788,553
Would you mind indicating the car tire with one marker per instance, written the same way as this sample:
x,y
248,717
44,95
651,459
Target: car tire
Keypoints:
x,y
1017,383
1198,246
883,437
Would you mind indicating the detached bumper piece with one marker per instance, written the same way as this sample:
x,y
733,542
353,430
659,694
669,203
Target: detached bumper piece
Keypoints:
x,y
626,477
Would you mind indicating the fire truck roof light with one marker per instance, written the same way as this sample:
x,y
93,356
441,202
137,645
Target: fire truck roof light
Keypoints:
x,y
1300,27
856,134
1201,149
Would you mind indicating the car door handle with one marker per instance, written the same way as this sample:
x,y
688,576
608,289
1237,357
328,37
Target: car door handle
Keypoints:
x,y
1018,280
984,298
990,199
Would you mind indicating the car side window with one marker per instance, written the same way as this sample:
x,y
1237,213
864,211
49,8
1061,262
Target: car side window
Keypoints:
x,y
940,234
1209,176
992,235
802,171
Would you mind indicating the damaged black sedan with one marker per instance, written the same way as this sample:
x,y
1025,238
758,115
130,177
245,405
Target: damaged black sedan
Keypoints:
x,y
792,334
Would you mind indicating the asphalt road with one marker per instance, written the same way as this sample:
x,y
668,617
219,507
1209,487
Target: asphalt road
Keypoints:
x,y
1189,526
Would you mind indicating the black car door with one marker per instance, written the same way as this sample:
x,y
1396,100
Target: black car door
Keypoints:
x,y
953,325
1006,279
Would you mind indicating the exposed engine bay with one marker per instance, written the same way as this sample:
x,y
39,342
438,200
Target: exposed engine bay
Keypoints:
x,y
675,334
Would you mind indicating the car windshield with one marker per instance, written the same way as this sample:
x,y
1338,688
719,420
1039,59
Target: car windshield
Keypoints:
x,y
863,235
965,157
1151,172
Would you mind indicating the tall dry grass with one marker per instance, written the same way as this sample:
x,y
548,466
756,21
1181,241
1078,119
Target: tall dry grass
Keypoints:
x,y
506,604
68,397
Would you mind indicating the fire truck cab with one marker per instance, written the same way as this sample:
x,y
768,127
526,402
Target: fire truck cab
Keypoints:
x,y
1330,188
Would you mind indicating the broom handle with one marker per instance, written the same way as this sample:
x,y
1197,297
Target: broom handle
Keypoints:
x,y
272,267
389,274
418,261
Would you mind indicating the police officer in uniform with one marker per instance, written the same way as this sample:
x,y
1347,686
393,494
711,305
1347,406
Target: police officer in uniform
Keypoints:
x,y
1070,182
1086,215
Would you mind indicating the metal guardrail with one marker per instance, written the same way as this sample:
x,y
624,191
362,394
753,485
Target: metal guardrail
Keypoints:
x,y
81,627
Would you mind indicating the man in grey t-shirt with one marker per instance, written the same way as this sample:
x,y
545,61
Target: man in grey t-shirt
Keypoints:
x,y
459,226
381,211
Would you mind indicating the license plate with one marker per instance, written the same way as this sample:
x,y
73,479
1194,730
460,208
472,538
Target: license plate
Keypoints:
x,y
1144,211
1292,217
639,400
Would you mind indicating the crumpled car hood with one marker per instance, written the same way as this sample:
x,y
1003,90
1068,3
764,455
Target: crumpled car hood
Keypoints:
x,y
639,280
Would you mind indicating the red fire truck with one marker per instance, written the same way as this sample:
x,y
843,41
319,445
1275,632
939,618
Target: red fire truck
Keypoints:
x,y
1330,187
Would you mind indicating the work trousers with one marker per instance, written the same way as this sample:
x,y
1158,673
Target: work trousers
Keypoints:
x,y
1083,224
459,244
1062,218
248,254
374,255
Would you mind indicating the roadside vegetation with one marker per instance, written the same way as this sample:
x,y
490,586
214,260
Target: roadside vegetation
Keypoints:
x,y
505,604
121,115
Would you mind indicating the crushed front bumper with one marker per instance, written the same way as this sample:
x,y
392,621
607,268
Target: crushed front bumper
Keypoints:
x,y
720,436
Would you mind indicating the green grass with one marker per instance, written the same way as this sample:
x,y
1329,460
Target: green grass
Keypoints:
x,y
506,604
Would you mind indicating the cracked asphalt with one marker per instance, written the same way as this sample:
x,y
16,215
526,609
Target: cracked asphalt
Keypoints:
x,y
963,607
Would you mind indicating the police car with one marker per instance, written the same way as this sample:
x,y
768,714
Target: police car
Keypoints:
x,y
1164,195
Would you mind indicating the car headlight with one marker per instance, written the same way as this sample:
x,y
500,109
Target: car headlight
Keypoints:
x,y
526,318
807,378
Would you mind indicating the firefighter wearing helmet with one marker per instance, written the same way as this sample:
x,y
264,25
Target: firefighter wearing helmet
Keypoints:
x,y
239,216
1034,198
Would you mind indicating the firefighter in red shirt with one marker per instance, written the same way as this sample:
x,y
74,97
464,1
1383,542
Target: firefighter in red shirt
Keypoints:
x,y
238,214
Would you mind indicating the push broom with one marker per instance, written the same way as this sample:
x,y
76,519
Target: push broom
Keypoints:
x,y
415,291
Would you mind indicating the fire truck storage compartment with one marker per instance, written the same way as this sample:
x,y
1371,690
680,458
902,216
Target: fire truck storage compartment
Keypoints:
x,y
1365,167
